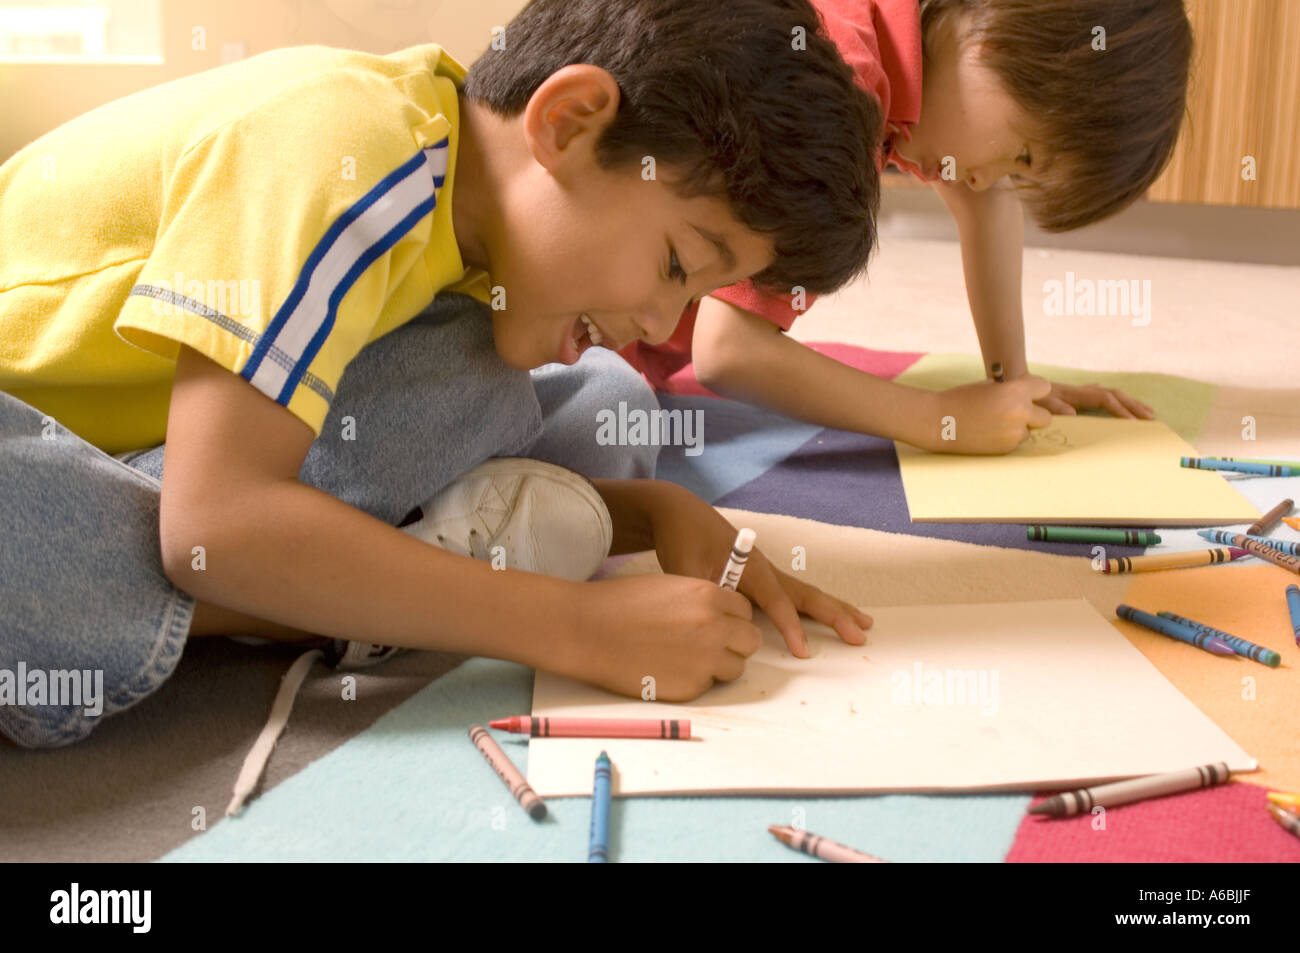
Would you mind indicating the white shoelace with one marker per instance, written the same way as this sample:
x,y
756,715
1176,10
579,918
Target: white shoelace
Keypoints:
x,y
255,762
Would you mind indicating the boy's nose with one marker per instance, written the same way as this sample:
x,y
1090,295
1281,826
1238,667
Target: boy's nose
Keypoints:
x,y
660,321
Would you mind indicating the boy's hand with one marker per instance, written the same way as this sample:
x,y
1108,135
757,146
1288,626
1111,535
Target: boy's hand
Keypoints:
x,y
988,417
660,637
693,539
1069,398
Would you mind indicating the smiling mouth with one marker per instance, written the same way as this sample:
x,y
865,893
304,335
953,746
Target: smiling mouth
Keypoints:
x,y
584,333
587,333
594,333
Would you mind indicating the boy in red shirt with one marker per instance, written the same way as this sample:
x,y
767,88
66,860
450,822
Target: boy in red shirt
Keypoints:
x,y
1072,108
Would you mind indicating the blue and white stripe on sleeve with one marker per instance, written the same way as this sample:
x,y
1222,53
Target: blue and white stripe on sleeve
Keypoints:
x,y
360,236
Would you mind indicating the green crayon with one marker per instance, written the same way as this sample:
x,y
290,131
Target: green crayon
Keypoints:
x,y
1089,534
1243,647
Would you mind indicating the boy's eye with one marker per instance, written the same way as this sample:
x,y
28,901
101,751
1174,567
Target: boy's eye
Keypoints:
x,y
675,269
1024,157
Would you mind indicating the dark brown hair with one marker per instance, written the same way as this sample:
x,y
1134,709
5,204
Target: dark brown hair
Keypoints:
x,y
1111,117
742,98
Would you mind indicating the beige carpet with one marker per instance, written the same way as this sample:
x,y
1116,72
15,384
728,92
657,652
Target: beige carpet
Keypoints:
x,y
1212,321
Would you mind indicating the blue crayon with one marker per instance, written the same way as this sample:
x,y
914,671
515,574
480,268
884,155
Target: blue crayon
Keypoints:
x,y
1223,536
1238,466
1293,603
1243,647
1175,630
598,849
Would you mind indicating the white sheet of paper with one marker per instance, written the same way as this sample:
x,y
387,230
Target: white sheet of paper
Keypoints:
x,y
1013,696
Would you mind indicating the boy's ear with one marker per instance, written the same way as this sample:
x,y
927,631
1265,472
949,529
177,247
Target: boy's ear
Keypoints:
x,y
566,115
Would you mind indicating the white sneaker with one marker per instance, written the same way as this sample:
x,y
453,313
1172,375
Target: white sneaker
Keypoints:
x,y
521,514
516,514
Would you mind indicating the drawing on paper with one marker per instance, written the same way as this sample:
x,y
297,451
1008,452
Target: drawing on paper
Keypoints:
x,y
1046,441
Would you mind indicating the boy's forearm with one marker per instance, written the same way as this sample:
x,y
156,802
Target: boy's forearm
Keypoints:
x,y
629,503
992,232
293,554
753,362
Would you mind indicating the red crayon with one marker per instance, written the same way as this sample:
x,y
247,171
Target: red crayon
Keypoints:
x,y
821,847
508,773
667,728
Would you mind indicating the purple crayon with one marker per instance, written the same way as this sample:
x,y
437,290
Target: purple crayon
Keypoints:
x,y
1176,630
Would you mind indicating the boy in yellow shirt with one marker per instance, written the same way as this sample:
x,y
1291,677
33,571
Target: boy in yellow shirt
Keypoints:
x,y
242,264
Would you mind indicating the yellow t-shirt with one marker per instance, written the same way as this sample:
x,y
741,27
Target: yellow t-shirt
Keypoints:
x,y
276,215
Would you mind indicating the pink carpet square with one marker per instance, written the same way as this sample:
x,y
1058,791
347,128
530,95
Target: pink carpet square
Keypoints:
x,y
1219,825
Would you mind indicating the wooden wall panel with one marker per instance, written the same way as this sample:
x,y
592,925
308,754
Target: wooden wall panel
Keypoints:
x,y
1244,101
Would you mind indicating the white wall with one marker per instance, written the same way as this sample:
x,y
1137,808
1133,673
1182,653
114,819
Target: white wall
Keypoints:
x,y
35,98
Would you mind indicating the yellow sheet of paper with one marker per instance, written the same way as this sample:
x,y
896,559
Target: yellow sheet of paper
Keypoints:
x,y
1013,696
1084,470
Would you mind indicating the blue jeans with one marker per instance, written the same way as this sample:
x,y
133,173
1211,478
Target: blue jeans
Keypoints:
x,y
572,398
82,588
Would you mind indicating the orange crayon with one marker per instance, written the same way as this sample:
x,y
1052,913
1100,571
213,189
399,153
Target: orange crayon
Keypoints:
x,y
1198,557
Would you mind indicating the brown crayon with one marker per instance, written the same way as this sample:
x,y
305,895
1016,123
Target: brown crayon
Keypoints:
x,y
1270,519
1274,556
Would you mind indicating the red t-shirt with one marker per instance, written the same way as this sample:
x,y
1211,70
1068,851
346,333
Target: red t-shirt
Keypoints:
x,y
881,40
